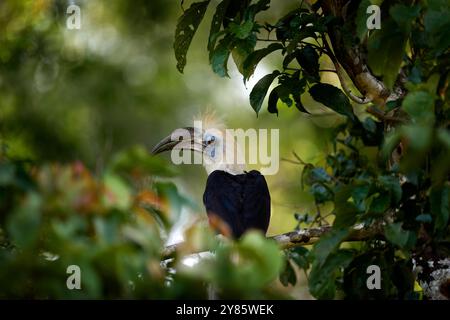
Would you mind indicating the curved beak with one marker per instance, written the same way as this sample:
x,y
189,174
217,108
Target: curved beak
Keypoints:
x,y
183,139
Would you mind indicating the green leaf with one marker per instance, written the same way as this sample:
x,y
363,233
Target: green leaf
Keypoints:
x,y
437,24
253,9
439,203
260,262
431,84
255,57
306,32
7,174
296,26
216,24
308,59
392,184
291,88
284,91
379,203
420,106
386,49
259,91
220,55
322,278
119,195
355,275
137,161
23,223
359,192
319,175
300,256
391,141
345,210
404,15
361,19
435,20
444,137
288,275
299,105
321,193
288,59
169,191
397,235
273,101
333,98
186,27
241,51
419,137
107,229
370,125
241,31
327,244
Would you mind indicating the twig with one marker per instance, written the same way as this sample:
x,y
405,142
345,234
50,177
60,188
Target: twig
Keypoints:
x,y
327,70
318,217
290,161
381,116
298,158
268,40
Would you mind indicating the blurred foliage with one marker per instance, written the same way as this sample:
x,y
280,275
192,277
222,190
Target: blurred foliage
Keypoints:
x,y
73,191
77,184
55,216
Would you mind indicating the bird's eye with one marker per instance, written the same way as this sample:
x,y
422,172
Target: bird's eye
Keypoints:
x,y
211,139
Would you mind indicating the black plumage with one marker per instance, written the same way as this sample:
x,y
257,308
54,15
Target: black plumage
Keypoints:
x,y
242,201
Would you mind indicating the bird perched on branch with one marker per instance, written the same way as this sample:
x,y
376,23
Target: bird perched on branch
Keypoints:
x,y
235,200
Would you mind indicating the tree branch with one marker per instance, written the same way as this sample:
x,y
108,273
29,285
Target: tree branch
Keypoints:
x,y
381,116
302,237
353,60
340,74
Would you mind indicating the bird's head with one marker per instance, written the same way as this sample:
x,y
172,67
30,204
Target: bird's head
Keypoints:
x,y
207,142
210,142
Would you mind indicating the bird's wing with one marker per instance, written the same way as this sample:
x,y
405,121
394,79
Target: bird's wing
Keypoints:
x,y
223,198
241,201
256,204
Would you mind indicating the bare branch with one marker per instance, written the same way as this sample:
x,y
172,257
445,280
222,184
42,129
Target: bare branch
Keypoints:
x,y
302,237
382,116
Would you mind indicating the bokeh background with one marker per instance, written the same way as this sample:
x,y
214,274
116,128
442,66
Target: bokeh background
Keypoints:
x,y
85,95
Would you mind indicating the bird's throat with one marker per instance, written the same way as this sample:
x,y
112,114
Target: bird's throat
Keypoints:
x,y
231,168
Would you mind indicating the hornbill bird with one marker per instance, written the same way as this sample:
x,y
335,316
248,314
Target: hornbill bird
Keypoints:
x,y
235,200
